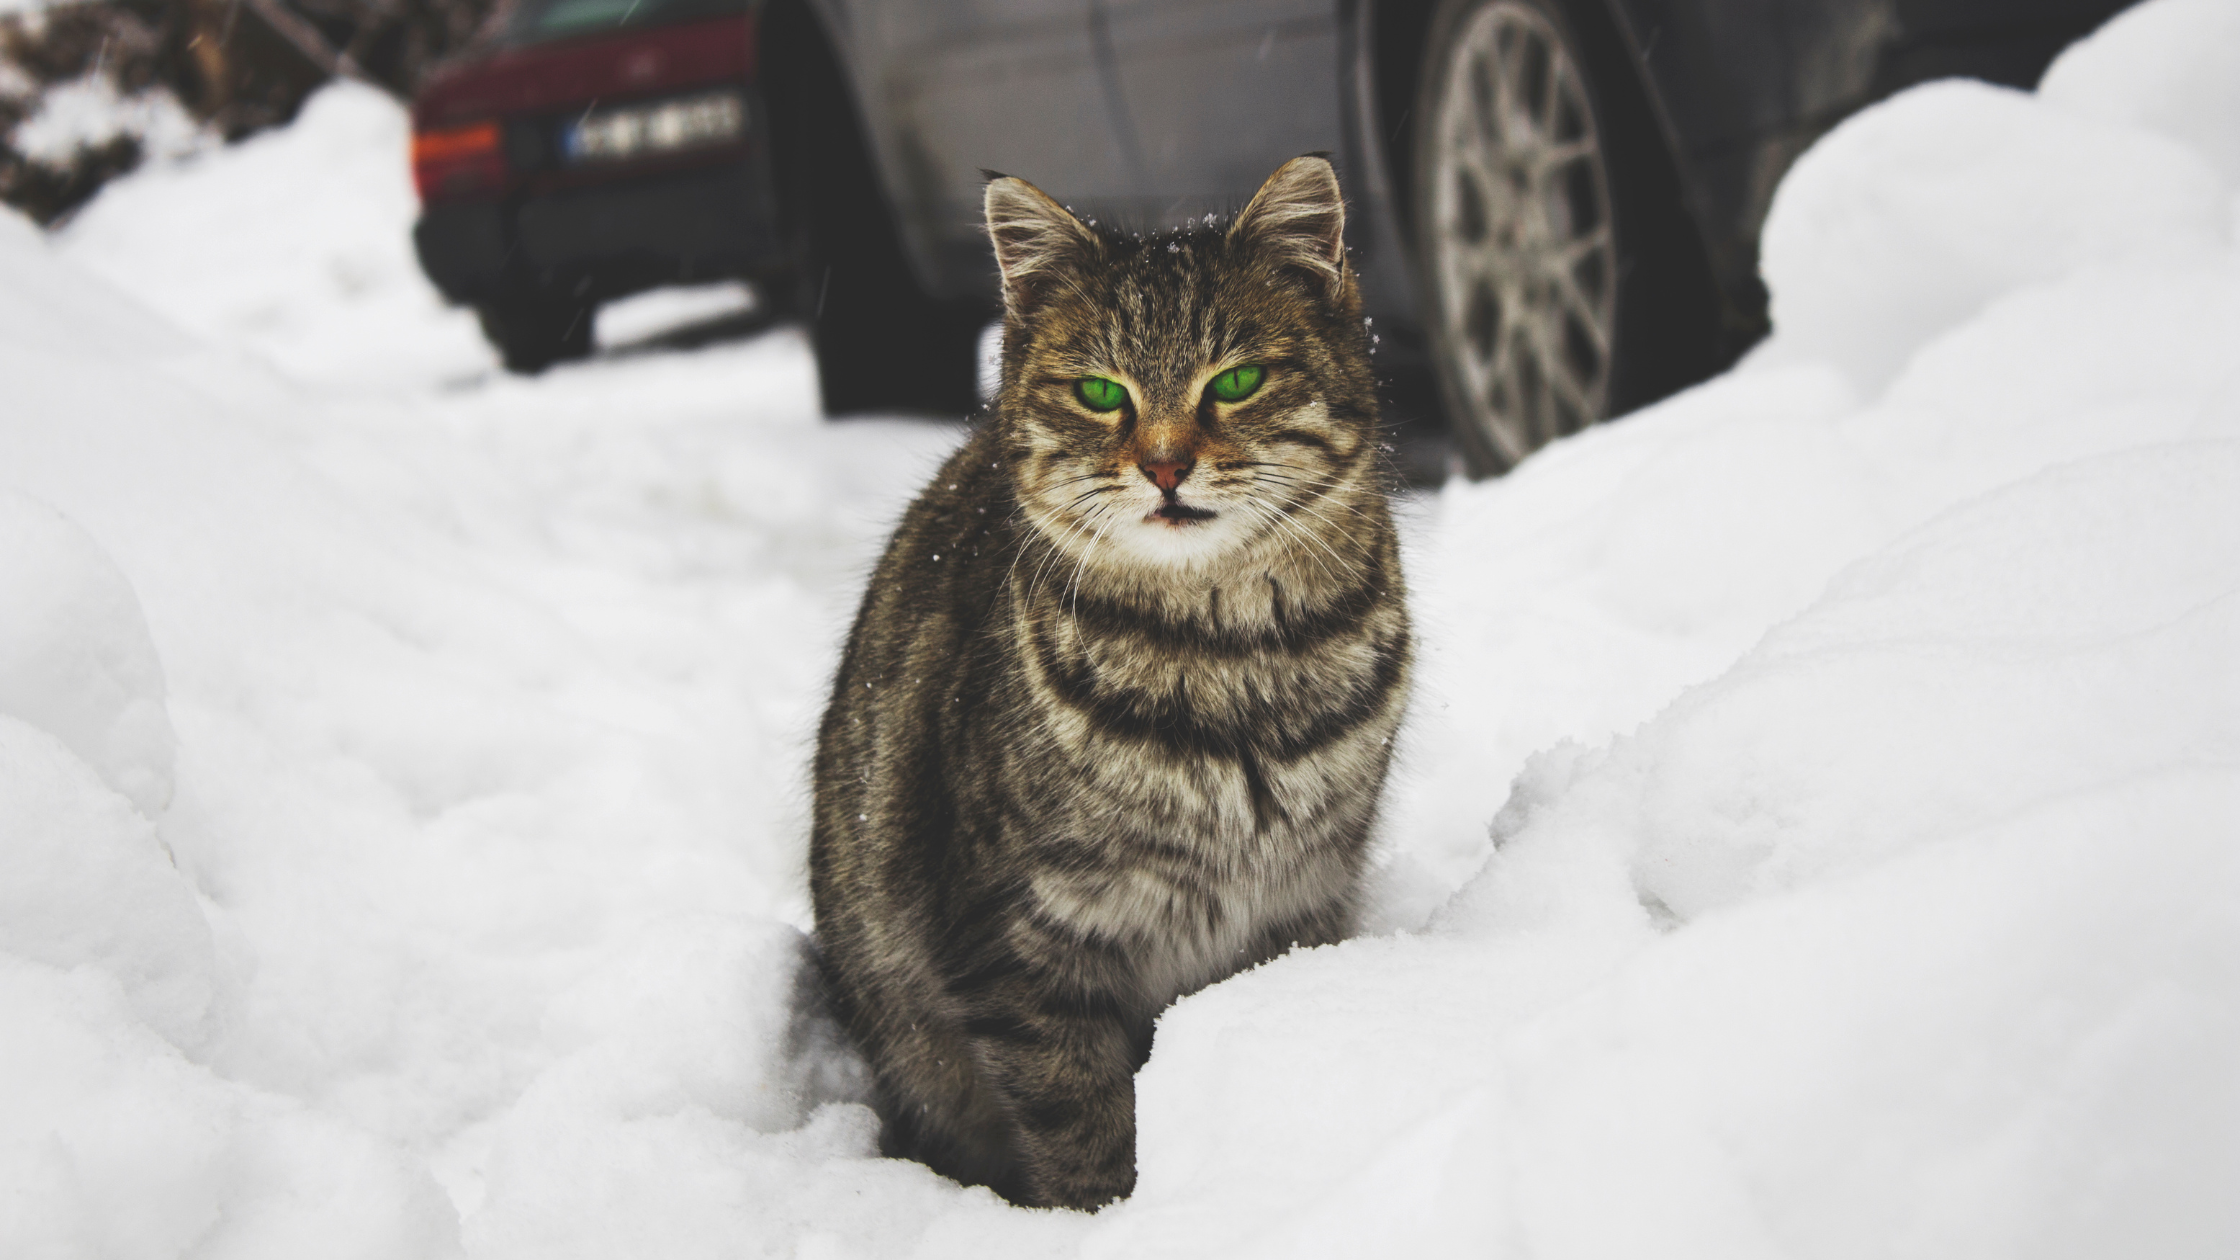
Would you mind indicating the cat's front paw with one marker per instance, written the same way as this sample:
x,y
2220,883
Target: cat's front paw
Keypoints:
x,y
1084,1190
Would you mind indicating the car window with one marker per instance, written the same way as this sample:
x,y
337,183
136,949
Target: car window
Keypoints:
x,y
535,21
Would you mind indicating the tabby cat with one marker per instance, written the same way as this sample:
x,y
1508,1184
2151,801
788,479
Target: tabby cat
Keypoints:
x,y
1117,707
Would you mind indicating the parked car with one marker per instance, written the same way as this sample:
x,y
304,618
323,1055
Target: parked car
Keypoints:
x,y
587,149
1555,203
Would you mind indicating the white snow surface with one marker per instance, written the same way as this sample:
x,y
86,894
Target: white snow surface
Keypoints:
x,y
91,111
1818,832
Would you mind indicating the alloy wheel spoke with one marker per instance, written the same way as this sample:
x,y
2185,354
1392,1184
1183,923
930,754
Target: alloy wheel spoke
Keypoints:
x,y
1562,153
1589,314
1524,263
1551,94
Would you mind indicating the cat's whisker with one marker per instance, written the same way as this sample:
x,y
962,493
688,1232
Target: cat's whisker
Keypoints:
x,y
1303,476
1057,555
1311,507
1326,495
1088,476
1091,550
1315,512
1075,527
1018,553
1301,495
1045,547
1088,494
1280,521
1023,528
1313,476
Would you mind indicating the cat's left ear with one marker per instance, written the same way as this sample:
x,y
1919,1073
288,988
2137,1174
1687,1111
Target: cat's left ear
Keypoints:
x,y
1298,219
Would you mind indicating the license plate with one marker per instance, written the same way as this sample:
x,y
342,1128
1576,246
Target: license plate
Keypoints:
x,y
628,131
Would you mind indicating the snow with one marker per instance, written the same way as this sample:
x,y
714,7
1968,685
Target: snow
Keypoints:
x,y
294,245
1815,834
646,316
90,111
1951,196
75,657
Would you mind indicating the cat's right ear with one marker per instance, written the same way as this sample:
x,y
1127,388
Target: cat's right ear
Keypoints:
x,y
1037,241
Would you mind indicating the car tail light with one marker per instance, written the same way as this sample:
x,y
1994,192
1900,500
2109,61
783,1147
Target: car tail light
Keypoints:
x,y
458,161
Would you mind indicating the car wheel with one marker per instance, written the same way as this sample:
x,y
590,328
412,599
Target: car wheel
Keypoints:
x,y
532,331
882,343
1524,230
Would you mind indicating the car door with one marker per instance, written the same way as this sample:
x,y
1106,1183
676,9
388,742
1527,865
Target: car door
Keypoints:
x,y
952,87
1214,95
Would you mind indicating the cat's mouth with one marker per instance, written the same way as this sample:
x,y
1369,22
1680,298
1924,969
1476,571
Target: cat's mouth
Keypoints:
x,y
1181,513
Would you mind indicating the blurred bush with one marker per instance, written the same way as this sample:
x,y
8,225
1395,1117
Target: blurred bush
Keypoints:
x,y
234,66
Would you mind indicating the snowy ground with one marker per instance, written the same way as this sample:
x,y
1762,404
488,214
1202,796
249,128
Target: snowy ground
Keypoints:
x,y
1817,835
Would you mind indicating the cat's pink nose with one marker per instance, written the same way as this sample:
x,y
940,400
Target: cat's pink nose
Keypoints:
x,y
1167,473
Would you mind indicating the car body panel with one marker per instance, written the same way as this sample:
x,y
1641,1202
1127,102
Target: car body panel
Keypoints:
x,y
947,90
1210,91
1152,112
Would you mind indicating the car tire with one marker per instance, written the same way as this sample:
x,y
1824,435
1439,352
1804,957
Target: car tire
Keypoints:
x,y
882,342
532,331
1563,283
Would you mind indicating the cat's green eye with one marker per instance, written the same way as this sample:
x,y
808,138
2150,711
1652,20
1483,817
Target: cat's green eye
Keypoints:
x,y
1237,384
1098,394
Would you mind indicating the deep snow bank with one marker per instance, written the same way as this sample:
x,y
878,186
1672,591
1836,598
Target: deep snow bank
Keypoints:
x,y
294,245
1857,733
393,797
1911,930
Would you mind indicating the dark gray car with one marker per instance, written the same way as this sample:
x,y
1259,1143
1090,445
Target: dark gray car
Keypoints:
x,y
1555,203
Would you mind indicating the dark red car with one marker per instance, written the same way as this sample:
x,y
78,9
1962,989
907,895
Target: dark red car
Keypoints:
x,y
586,150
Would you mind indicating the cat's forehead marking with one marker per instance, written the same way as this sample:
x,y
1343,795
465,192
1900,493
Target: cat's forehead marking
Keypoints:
x,y
1161,309
1168,308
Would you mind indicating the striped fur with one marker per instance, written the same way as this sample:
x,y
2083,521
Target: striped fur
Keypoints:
x,y
1095,744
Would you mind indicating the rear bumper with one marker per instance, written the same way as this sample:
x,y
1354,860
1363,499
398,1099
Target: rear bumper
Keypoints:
x,y
463,247
605,240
